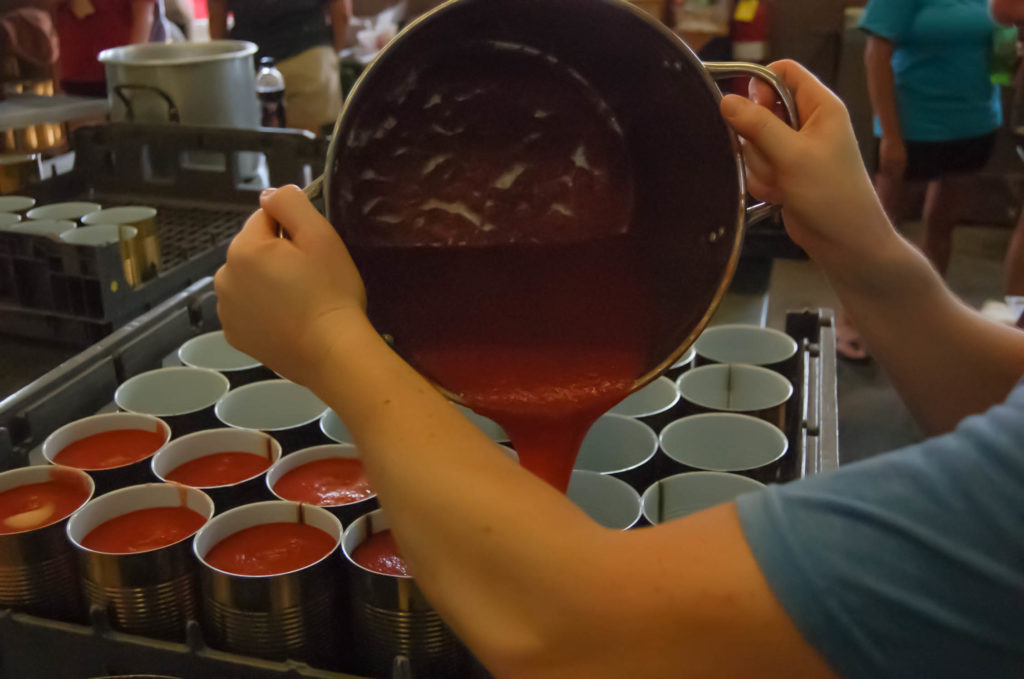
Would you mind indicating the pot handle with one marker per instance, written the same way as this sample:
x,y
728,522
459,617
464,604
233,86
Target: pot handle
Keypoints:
x,y
315,188
721,70
172,110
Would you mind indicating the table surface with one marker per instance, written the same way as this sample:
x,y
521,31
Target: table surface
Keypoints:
x,y
22,110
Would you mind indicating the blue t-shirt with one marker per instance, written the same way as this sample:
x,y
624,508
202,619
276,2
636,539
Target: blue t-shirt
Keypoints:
x,y
910,564
940,63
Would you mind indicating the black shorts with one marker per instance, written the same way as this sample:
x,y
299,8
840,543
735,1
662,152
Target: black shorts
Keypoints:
x,y
927,160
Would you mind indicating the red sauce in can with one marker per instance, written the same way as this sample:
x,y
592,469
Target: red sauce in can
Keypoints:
x,y
328,482
379,553
110,449
36,505
271,549
218,469
144,530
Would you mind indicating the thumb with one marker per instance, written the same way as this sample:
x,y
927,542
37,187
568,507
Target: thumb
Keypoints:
x,y
758,125
290,207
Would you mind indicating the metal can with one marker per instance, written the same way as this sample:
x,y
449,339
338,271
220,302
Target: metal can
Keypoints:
x,y
393,624
151,593
37,566
288,615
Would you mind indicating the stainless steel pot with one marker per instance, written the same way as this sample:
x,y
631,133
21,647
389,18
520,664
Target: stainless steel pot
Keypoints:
x,y
206,84
211,83
690,199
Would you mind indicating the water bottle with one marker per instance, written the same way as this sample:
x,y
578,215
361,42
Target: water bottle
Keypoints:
x,y
270,88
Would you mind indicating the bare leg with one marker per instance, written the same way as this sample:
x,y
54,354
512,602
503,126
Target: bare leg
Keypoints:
x,y
944,204
1014,264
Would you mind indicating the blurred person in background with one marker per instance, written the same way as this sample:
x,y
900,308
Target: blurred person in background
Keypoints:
x,y
181,15
87,27
1011,13
303,37
936,115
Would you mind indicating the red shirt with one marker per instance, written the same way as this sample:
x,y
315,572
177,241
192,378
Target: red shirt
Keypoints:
x,y
81,40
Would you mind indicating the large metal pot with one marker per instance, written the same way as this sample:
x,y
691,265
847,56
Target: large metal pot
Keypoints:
x,y
689,209
206,84
211,83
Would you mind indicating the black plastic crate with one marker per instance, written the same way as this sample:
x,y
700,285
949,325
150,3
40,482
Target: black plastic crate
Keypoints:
x,y
77,295
85,384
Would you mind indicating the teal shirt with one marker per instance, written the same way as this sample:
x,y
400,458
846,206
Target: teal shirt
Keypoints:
x,y
910,564
941,66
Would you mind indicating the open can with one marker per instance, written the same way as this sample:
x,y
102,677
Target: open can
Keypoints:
x,y
393,624
37,566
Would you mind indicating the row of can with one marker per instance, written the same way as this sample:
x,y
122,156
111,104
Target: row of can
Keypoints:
x,y
627,475
332,613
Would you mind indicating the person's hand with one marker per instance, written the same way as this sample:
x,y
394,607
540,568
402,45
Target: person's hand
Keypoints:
x,y
283,301
816,173
892,158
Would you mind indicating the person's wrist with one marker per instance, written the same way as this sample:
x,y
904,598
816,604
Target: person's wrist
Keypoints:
x,y
860,264
340,334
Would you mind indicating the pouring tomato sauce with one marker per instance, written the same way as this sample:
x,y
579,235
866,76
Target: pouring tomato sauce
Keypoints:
x,y
488,212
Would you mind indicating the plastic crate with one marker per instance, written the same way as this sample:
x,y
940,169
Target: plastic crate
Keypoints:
x,y
77,295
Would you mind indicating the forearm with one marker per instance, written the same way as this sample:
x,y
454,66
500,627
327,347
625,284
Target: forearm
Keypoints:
x,y
495,565
882,84
531,584
218,19
142,21
341,14
945,359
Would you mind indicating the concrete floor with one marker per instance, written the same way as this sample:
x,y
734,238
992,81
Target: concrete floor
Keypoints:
x,y
872,419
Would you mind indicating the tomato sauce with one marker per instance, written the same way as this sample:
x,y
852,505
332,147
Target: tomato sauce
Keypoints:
x,y
488,210
110,449
328,482
379,553
271,549
36,505
144,530
219,469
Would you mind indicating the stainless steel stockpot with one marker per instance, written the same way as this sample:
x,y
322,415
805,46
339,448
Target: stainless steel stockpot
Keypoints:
x,y
690,207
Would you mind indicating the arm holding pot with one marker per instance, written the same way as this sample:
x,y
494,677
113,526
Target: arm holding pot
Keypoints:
x,y
946,360
527,580
532,585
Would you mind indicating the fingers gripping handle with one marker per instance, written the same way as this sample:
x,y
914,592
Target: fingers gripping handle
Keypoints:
x,y
736,69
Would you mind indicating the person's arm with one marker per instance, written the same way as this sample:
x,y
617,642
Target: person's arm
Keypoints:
x,y
892,154
341,14
946,360
1008,12
142,21
533,586
218,12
